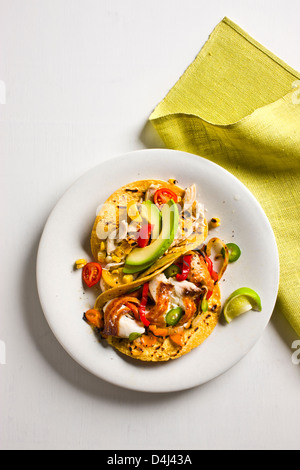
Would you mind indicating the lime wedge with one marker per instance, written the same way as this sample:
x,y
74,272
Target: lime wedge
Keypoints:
x,y
241,301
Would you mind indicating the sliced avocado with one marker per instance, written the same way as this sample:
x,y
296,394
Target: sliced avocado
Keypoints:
x,y
152,214
136,269
141,258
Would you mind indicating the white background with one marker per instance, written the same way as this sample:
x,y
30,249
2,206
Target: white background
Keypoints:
x,y
82,77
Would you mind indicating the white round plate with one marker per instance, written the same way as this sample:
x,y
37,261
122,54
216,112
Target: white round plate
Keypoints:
x,y
66,238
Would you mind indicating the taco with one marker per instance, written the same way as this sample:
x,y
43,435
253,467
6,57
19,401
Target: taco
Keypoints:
x,y
172,312
143,227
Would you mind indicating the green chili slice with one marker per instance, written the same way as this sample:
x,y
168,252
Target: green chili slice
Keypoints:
x,y
173,316
234,252
171,271
134,336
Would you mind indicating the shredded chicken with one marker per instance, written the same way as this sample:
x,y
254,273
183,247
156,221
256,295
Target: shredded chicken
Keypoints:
x,y
150,192
121,315
116,236
199,274
168,294
114,310
189,196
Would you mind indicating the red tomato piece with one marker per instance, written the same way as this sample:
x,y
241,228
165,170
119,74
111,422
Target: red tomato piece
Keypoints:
x,y
144,235
91,273
163,195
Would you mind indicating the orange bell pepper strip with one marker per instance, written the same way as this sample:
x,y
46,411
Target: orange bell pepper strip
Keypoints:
x,y
158,331
94,318
134,308
148,341
177,338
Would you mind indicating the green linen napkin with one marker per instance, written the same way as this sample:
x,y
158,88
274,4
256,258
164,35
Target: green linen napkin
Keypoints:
x,y
238,105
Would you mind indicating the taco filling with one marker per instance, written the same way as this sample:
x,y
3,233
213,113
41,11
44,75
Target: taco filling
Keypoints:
x,y
159,288
142,227
167,316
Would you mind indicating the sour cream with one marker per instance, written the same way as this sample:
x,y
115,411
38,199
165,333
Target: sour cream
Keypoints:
x,y
128,325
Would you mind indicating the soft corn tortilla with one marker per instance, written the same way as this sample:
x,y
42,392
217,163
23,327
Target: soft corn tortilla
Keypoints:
x,y
164,349
110,213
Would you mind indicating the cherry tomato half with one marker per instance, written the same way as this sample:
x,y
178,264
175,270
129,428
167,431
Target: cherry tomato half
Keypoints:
x,y
94,318
163,195
91,273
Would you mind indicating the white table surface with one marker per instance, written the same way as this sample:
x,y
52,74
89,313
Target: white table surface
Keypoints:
x,y
81,78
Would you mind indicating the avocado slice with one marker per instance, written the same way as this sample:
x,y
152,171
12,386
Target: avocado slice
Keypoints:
x,y
152,214
136,269
141,258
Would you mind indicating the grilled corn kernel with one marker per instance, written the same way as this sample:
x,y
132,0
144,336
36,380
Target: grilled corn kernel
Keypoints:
x,y
133,212
127,278
116,259
102,246
173,181
117,271
80,263
128,250
215,222
131,241
119,252
101,256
